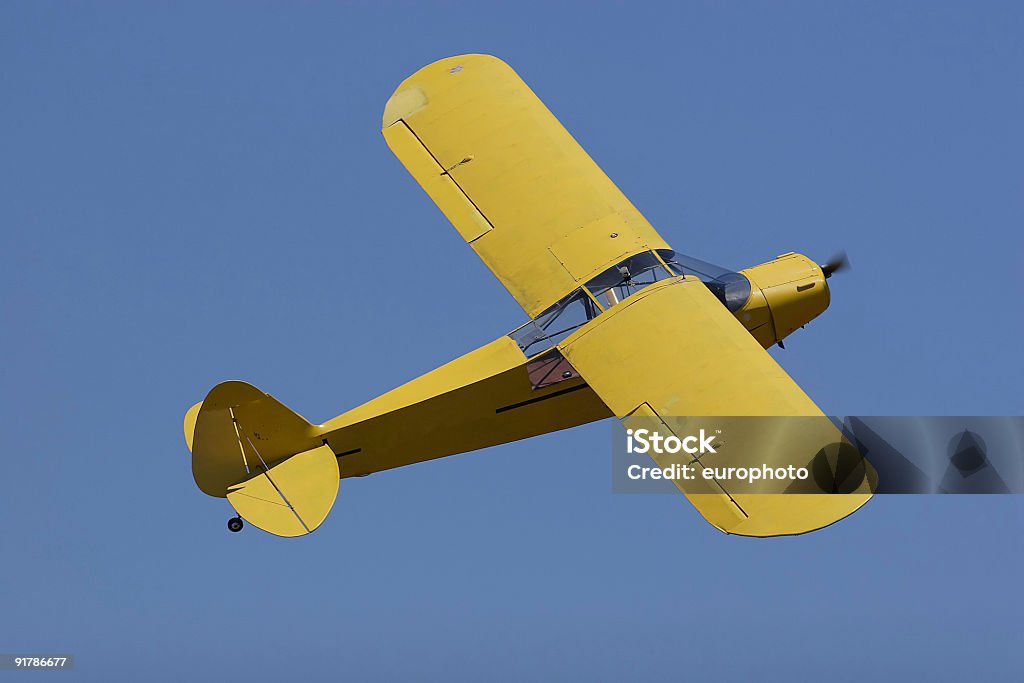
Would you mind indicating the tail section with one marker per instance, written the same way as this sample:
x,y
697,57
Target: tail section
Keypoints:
x,y
268,461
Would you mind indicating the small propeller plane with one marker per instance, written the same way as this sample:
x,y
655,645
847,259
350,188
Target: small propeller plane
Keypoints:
x,y
621,325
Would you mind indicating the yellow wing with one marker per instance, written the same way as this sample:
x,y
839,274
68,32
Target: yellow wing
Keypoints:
x,y
514,183
673,350
545,219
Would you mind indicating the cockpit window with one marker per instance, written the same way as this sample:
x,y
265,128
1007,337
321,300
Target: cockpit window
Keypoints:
x,y
619,282
556,323
731,288
627,277
572,312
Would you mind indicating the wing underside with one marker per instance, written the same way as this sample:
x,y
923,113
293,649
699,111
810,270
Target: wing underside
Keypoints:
x,y
552,227
514,183
671,352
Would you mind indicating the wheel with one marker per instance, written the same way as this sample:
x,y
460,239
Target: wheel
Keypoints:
x,y
235,524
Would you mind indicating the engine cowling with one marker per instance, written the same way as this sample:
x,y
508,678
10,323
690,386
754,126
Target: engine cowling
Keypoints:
x,y
786,293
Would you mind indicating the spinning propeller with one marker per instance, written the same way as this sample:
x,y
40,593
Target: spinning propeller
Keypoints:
x,y
838,262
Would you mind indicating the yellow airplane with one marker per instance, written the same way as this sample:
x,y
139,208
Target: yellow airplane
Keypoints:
x,y
620,325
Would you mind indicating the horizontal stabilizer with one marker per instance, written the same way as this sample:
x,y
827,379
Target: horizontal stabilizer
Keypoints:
x,y
290,499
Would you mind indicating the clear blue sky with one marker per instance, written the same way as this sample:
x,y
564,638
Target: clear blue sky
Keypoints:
x,y
198,192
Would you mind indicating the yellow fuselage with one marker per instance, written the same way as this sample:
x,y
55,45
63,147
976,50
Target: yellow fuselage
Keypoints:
x,y
486,397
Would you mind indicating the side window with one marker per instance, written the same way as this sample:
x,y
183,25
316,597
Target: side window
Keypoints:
x,y
556,323
627,277
575,310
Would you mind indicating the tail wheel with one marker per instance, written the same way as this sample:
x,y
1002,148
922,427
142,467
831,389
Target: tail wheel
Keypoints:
x,y
235,524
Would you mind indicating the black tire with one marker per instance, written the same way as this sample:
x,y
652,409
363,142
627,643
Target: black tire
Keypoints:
x,y
235,525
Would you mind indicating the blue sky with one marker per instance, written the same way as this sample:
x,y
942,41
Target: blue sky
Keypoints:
x,y
197,192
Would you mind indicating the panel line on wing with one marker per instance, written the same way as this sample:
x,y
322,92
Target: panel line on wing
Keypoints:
x,y
446,172
644,407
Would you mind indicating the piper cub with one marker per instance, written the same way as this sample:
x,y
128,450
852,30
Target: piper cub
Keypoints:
x,y
620,325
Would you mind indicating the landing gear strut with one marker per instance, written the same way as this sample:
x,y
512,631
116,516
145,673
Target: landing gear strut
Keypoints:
x,y
235,524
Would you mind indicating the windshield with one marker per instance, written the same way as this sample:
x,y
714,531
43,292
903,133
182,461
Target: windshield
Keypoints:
x,y
731,288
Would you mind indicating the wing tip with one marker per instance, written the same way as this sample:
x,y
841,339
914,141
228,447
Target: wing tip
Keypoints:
x,y
408,97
